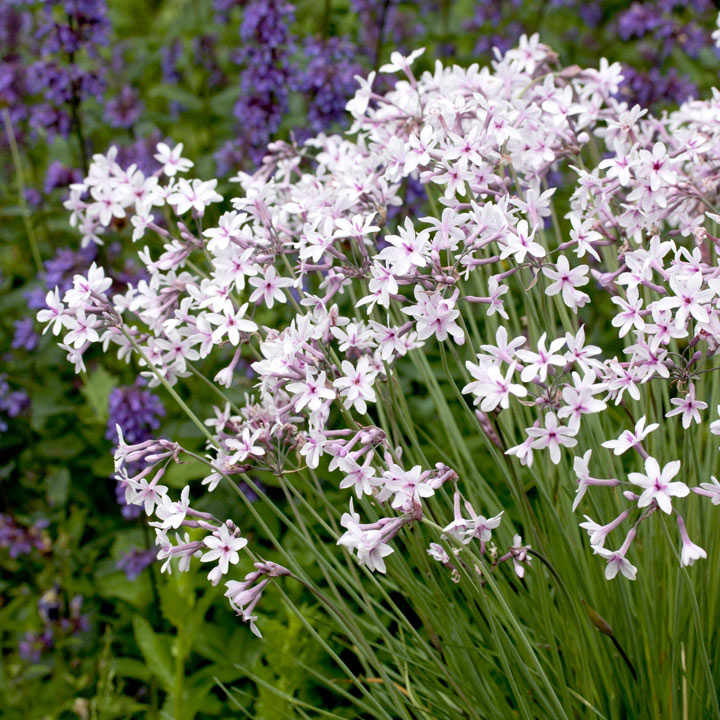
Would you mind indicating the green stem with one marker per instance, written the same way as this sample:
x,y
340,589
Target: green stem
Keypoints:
x,y
153,579
17,162
214,388
179,676
183,405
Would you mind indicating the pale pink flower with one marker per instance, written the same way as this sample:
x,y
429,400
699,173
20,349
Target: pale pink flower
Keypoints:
x,y
689,406
223,546
656,484
553,436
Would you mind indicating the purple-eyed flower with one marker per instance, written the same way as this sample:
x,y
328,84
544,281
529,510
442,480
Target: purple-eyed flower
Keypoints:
x,y
553,436
465,529
355,386
598,533
631,438
657,485
223,547
709,489
689,406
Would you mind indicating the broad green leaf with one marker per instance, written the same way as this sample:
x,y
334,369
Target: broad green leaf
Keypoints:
x,y
97,389
155,649
136,592
173,605
58,484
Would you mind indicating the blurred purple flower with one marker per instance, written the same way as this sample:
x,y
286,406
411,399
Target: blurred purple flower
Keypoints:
x,y
136,411
25,336
33,645
124,110
328,80
60,176
21,539
135,561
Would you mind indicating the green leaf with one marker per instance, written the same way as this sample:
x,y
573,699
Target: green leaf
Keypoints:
x,y
129,667
116,585
199,697
155,649
180,474
97,389
58,483
46,404
61,448
222,103
103,465
177,94
173,605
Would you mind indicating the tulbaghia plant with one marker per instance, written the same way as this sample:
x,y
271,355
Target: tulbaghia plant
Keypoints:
x,y
516,391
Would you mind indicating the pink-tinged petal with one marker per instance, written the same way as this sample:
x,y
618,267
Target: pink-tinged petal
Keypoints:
x,y
629,570
611,570
678,489
652,469
670,470
646,498
663,502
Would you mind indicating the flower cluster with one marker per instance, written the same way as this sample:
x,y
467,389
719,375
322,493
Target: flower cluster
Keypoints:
x,y
49,63
308,237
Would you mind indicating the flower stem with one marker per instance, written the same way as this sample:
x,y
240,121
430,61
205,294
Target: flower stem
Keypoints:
x,y
17,162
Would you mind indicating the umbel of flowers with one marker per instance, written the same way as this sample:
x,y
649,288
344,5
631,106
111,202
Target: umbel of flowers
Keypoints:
x,y
496,280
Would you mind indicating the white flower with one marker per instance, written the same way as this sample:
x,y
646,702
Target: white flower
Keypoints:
x,y
553,436
399,62
269,287
172,514
312,392
629,438
491,388
231,323
357,105
436,315
657,485
223,546
566,281
710,489
406,250
631,312
520,243
193,195
244,446
53,314
616,560
356,385
538,363
688,406
616,563
689,551
172,160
